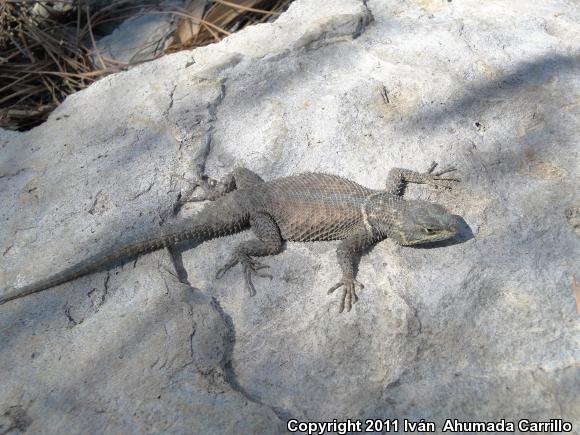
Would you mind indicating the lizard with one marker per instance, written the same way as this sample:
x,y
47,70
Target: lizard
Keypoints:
x,y
305,207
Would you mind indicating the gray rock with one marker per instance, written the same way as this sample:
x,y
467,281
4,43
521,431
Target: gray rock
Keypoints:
x,y
141,37
482,329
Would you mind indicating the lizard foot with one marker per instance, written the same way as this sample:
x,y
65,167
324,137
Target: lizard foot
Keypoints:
x,y
210,188
437,179
349,296
250,267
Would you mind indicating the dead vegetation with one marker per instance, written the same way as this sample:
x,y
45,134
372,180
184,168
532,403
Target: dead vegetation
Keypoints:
x,y
48,50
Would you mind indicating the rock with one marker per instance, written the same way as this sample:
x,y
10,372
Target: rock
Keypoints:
x,y
141,37
482,329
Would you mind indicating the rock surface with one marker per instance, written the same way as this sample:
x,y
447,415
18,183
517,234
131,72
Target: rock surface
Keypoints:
x,y
483,329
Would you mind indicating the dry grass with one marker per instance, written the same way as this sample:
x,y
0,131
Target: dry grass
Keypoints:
x,y
45,57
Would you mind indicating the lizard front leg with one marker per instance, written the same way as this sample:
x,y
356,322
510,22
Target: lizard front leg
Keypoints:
x,y
268,242
348,252
398,178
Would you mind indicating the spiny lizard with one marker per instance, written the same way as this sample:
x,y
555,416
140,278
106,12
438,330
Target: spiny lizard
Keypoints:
x,y
305,207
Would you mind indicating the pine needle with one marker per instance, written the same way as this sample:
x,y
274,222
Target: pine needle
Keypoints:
x,y
46,57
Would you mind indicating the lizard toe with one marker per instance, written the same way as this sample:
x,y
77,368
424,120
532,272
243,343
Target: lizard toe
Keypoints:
x,y
222,270
253,267
445,170
349,296
432,167
248,280
342,301
334,287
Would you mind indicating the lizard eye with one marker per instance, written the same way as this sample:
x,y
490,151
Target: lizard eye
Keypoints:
x,y
429,230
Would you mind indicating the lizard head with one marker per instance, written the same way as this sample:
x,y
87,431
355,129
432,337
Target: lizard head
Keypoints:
x,y
412,222
423,222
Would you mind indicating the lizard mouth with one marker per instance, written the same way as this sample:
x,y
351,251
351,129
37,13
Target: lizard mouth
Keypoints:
x,y
429,238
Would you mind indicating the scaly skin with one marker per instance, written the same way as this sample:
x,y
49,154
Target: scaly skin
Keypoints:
x,y
305,207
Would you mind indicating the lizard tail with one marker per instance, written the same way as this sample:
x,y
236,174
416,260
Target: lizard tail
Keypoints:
x,y
219,218
89,265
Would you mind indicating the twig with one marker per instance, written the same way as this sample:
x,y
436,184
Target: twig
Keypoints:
x,y
246,8
97,51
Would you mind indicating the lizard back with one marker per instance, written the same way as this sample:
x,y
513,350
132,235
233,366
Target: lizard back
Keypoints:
x,y
313,206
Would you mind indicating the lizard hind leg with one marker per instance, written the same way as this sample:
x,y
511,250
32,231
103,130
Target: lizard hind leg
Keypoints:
x,y
268,242
212,189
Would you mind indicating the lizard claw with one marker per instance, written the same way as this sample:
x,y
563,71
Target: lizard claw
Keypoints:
x,y
250,267
222,270
211,189
349,296
432,167
437,180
